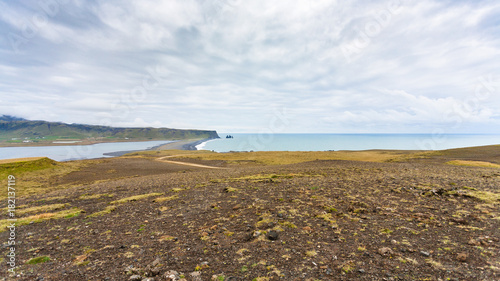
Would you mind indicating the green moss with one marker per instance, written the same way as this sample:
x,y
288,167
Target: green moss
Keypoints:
x,y
330,209
288,224
264,222
386,231
68,216
38,260
360,211
326,217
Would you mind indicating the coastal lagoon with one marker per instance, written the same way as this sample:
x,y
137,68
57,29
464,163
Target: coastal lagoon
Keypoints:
x,y
324,142
76,152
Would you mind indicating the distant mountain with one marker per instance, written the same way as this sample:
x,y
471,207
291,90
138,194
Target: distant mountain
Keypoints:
x,y
18,128
11,118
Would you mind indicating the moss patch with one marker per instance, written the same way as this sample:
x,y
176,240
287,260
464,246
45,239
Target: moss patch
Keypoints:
x,y
38,209
166,198
473,164
486,196
41,217
135,198
107,210
38,260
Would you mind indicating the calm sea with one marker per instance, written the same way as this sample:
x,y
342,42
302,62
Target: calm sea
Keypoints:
x,y
76,152
322,142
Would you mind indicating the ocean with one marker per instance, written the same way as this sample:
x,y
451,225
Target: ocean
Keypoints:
x,y
76,152
324,142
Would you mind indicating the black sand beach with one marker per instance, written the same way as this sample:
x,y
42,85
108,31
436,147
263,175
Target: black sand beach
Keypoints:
x,y
176,145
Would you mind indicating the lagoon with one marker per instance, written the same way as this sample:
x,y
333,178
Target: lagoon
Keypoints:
x,y
76,152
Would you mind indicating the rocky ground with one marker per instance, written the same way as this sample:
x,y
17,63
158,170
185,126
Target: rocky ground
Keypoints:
x,y
141,219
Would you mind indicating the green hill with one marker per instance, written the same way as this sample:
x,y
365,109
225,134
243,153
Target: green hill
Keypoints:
x,y
16,130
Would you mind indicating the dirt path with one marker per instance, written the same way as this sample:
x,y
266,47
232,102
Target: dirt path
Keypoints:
x,y
162,159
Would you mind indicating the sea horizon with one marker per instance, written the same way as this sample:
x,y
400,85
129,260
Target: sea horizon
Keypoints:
x,y
345,141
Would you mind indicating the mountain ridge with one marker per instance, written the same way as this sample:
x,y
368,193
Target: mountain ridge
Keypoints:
x,y
14,129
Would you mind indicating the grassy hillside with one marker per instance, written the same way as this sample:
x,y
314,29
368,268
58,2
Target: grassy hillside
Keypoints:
x,y
35,175
18,130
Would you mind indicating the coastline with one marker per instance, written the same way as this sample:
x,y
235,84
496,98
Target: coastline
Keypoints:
x,y
182,145
174,145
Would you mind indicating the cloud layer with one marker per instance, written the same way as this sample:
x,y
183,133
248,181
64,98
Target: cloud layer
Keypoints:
x,y
235,66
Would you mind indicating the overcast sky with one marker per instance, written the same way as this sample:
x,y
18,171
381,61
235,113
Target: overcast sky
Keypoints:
x,y
248,66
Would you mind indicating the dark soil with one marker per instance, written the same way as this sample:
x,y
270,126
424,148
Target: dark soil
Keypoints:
x,y
114,168
320,220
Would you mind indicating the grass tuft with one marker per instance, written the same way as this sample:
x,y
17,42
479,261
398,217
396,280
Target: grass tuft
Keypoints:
x,y
134,198
485,196
41,217
107,210
38,209
167,198
311,253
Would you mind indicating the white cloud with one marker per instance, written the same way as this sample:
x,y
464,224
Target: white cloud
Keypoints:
x,y
226,64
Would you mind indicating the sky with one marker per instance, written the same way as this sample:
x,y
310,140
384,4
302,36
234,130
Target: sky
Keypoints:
x,y
302,66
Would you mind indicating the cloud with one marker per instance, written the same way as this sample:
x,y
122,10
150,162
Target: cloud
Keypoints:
x,y
393,66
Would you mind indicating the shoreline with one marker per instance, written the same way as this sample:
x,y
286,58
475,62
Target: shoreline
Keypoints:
x,y
173,145
182,145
